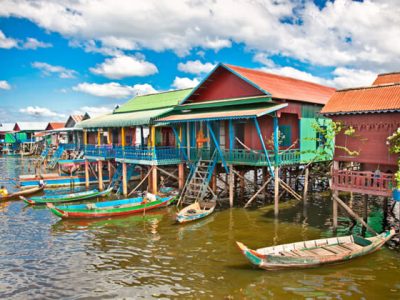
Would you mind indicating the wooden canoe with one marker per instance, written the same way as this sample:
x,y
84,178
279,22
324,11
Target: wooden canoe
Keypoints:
x,y
110,208
66,197
313,253
196,211
25,192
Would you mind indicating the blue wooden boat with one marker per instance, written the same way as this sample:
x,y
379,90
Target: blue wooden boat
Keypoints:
x,y
66,197
55,180
111,208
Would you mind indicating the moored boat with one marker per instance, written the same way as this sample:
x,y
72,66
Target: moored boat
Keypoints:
x,y
313,253
56,180
196,211
66,197
111,208
28,191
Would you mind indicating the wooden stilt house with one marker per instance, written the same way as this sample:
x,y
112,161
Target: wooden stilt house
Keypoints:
x,y
248,118
127,137
373,113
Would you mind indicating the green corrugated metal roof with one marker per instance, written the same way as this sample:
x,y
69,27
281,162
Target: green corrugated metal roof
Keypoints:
x,y
154,101
225,102
135,118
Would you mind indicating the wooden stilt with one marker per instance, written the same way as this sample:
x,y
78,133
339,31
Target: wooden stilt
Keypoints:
x,y
242,185
276,191
87,179
154,181
255,180
181,176
231,183
214,181
305,191
353,214
110,170
258,192
124,180
100,170
264,178
365,213
335,210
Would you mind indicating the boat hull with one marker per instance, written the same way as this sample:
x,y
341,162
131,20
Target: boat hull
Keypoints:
x,y
276,262
109,209
184,216
29,191
67,198
60,181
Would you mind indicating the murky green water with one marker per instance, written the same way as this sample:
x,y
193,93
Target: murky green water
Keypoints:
x,y
151,257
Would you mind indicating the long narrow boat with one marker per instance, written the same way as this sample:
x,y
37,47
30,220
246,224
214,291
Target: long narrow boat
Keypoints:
x,y
29,191
55,180
110,208
66,197
313,253
196,211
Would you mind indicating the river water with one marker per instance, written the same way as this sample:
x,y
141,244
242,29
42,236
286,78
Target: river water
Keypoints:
x,y
145,257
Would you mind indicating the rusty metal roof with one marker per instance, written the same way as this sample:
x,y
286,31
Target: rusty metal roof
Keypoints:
x,y
387,78
378,98
287,88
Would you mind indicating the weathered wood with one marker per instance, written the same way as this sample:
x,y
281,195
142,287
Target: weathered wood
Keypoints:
x,y
169,174
181,176
100,170
305,190
141,182
258,192
124,179
154,181
335,210
246,179
87,173
286,187
231,184
353,214
276,191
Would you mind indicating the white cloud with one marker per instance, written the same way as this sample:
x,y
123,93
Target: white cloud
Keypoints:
x,y
4,85
32,43
184,82
114,89
48,69
360,35
124,66
195,67
38,111
346,78
7,43
93,111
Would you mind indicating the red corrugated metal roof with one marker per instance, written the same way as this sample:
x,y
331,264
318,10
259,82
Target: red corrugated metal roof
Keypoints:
x,y
387,78
55,125
282,87
365,99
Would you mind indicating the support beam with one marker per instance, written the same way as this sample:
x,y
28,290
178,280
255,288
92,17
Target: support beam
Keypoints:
x,y
100,170
263,145
99,137
305,190
335,210
231,184
110,171
123,138
276,191
365,212
109,138
258,192
124,180
154,181
87,179
276,140
181,176
353,214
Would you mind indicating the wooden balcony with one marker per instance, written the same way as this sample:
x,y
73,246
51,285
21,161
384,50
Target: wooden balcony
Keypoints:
x,y
363,182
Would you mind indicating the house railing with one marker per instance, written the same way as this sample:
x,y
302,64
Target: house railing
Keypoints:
x,y
102,151
364,182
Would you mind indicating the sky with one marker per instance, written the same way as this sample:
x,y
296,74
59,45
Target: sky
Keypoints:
x,y
65,57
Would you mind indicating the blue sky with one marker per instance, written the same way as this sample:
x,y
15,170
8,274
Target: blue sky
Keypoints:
x,y
64,57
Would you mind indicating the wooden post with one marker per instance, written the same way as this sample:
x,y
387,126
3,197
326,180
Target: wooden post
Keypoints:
x,y
110,171
109,141
255,180
100,170
124,180
264,178
231,183
335,210
241,182
276,191
154,181
214,181
87,179
305,191
365,213
181,176
123,137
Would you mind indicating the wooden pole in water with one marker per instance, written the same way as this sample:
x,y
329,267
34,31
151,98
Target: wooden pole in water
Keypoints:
x,y
110,171
154,181
100,170
124,180
276,191
335,209
87,173
305,191
255,180
365,212
241,178
181,176
231,183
